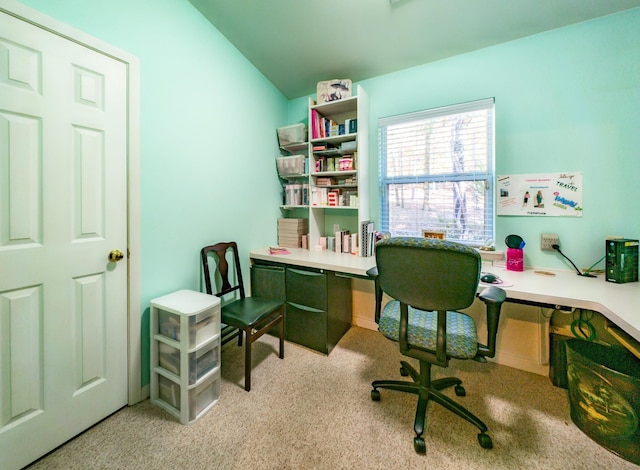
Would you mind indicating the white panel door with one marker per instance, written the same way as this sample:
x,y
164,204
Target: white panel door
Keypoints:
x,y
63,208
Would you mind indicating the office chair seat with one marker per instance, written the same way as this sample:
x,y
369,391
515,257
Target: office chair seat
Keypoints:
x,y
462,336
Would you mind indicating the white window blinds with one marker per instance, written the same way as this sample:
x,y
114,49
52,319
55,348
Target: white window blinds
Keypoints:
x,y
436,172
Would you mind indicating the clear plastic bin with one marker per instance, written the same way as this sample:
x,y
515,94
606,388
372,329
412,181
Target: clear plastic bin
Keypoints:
x,y
169,391
203,396
200,327
293,165
200,397
199,362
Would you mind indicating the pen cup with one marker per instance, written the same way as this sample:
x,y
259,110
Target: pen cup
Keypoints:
x,y
515,259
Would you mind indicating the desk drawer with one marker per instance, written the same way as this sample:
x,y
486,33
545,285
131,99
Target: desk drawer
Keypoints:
x,y
268,281
306,287
307,326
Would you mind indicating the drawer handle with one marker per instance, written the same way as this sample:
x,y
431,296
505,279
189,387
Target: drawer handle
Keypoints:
x,y
306,273
351,276
304,307
269,268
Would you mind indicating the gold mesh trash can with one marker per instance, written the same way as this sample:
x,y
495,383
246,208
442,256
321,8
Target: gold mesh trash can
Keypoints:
x,y
604,395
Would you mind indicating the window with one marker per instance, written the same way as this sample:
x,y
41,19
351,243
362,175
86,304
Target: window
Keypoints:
x,y
436,172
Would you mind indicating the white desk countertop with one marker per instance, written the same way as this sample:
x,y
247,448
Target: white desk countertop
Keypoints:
x,y
620,303
330,260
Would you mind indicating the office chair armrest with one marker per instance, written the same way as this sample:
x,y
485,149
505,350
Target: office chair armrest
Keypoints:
x,y
493,297
373,274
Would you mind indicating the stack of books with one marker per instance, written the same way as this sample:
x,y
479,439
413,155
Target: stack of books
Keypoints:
x,y
290,232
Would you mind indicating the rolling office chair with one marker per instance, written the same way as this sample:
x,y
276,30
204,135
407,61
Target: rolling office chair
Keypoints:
x,y
429,280
250,317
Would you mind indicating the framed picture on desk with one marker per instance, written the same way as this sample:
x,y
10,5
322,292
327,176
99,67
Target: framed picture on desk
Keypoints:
x,y
433,234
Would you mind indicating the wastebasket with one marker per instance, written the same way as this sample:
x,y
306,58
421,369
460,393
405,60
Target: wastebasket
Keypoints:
x,y
604,395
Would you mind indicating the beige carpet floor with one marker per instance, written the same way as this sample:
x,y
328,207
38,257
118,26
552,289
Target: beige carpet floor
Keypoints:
x,y
311,411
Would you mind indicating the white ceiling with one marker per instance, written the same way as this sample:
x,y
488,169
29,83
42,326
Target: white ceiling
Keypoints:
x,y
296,43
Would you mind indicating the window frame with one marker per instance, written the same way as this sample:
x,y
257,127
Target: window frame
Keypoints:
x,y
488,176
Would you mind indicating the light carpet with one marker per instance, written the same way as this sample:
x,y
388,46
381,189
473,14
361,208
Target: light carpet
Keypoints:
x,y
311,411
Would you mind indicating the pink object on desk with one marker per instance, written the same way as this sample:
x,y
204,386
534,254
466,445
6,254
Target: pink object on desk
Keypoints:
x,y
515,259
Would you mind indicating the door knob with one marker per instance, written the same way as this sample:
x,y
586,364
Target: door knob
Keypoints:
x,y
115,255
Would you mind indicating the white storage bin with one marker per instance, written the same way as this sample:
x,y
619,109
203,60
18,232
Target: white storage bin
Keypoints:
x,y
294,134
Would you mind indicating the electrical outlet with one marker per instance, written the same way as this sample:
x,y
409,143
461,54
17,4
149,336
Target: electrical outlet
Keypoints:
x,y
547,240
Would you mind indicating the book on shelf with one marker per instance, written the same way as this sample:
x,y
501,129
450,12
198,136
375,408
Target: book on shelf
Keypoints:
x,y
325,181
319,196
346,242
333,198
367,235
341,243
322,127
354,243
292,222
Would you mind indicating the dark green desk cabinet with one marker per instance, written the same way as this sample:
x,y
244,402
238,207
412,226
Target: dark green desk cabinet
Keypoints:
x,y
318,302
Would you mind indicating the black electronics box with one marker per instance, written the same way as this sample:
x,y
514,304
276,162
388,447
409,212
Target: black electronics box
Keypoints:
x,y
622,260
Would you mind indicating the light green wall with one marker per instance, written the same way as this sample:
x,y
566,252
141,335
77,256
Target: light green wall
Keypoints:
x,y
566,100
208,120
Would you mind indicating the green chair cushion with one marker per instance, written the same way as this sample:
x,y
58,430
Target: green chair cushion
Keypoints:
x,y
248,311
462,336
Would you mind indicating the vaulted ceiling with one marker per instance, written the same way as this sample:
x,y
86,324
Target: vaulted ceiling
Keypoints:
x,y
296,43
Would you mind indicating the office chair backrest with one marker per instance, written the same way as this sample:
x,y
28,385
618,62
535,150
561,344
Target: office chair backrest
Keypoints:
x,y
428,274
227,277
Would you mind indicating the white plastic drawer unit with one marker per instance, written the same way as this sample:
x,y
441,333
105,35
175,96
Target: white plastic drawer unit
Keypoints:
x,y
185,353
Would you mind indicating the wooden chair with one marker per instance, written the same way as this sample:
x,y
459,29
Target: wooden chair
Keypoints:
x,y
240,315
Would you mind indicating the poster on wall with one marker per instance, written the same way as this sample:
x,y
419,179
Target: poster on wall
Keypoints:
x,y
544,194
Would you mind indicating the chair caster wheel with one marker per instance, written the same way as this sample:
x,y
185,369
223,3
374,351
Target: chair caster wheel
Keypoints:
x,y
460,391
419,445
403,371
375,394
485,441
